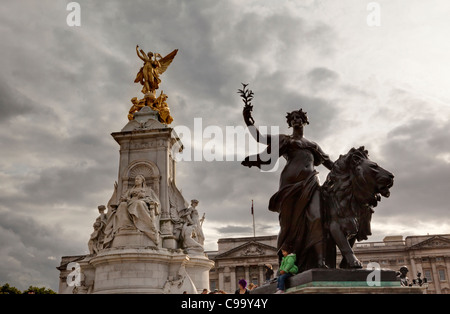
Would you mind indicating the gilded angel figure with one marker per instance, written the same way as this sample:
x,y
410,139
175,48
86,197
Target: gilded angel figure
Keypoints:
x,y
154,66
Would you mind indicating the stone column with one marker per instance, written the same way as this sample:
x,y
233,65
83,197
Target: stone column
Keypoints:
x,y
413,268
261,274
226,272
221,281
233,279
162,157
447,263
247,274
437,282
419,268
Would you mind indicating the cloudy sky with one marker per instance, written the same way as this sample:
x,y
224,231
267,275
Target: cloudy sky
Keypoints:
x,y
64,90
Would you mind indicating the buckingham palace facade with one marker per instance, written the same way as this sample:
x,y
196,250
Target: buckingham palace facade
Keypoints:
x,y
244,258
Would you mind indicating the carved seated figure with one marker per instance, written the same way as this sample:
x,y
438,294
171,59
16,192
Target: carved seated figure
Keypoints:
x,y
137,105
191,217
163,109
190,238
138,209
95,243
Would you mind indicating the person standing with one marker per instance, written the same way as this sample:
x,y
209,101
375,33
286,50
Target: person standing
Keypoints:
x,y
242,287
268,272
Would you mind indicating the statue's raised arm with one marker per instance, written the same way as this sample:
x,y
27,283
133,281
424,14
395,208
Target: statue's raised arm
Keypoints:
x,y
143,57
247,97
270,155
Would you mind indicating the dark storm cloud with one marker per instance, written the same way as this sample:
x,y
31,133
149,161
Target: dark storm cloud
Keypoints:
x,y
422,178
30,252
11,104
65,185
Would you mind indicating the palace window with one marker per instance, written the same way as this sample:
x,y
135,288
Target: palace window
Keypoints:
x,y
427,274
441,273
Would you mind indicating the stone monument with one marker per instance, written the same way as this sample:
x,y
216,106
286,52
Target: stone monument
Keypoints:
x,y
150,240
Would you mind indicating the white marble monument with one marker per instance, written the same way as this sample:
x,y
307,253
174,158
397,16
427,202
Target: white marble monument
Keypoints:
x,y
150,240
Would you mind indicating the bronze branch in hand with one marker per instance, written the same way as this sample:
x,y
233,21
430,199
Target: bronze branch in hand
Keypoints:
x,y
247,97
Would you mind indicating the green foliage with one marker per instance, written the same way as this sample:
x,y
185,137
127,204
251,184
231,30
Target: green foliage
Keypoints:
x,y
37,290
7,289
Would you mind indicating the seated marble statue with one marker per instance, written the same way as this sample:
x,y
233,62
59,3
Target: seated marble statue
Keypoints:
x,y
190,238
138,209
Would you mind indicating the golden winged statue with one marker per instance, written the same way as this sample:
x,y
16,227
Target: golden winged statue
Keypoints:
x,y
154,66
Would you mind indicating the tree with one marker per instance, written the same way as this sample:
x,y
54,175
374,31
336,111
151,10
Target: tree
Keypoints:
x,y
7,289
37,290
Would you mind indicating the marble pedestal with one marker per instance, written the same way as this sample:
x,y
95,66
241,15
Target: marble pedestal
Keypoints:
x,y
143,270
133,239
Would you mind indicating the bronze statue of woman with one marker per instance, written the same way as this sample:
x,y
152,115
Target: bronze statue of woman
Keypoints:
x,y
298,199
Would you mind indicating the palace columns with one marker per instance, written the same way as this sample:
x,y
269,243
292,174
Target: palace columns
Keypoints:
x,y
233,278
447,263
221,280
247,274
437,282
261,274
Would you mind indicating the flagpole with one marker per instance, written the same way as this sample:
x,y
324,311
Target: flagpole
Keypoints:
x,y
253,215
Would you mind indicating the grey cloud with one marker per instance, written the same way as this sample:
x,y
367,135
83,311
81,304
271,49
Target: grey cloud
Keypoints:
x,y
28,248
322,75
230,188
234,230
66,185
13,103
321,111
421,182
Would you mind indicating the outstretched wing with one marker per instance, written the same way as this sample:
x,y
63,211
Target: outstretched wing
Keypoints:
x,y
140,76
166,61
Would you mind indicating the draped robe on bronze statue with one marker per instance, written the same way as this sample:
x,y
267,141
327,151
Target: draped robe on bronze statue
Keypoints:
x,y
292,201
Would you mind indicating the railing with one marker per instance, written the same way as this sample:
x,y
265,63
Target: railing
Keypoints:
x,y
372,245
